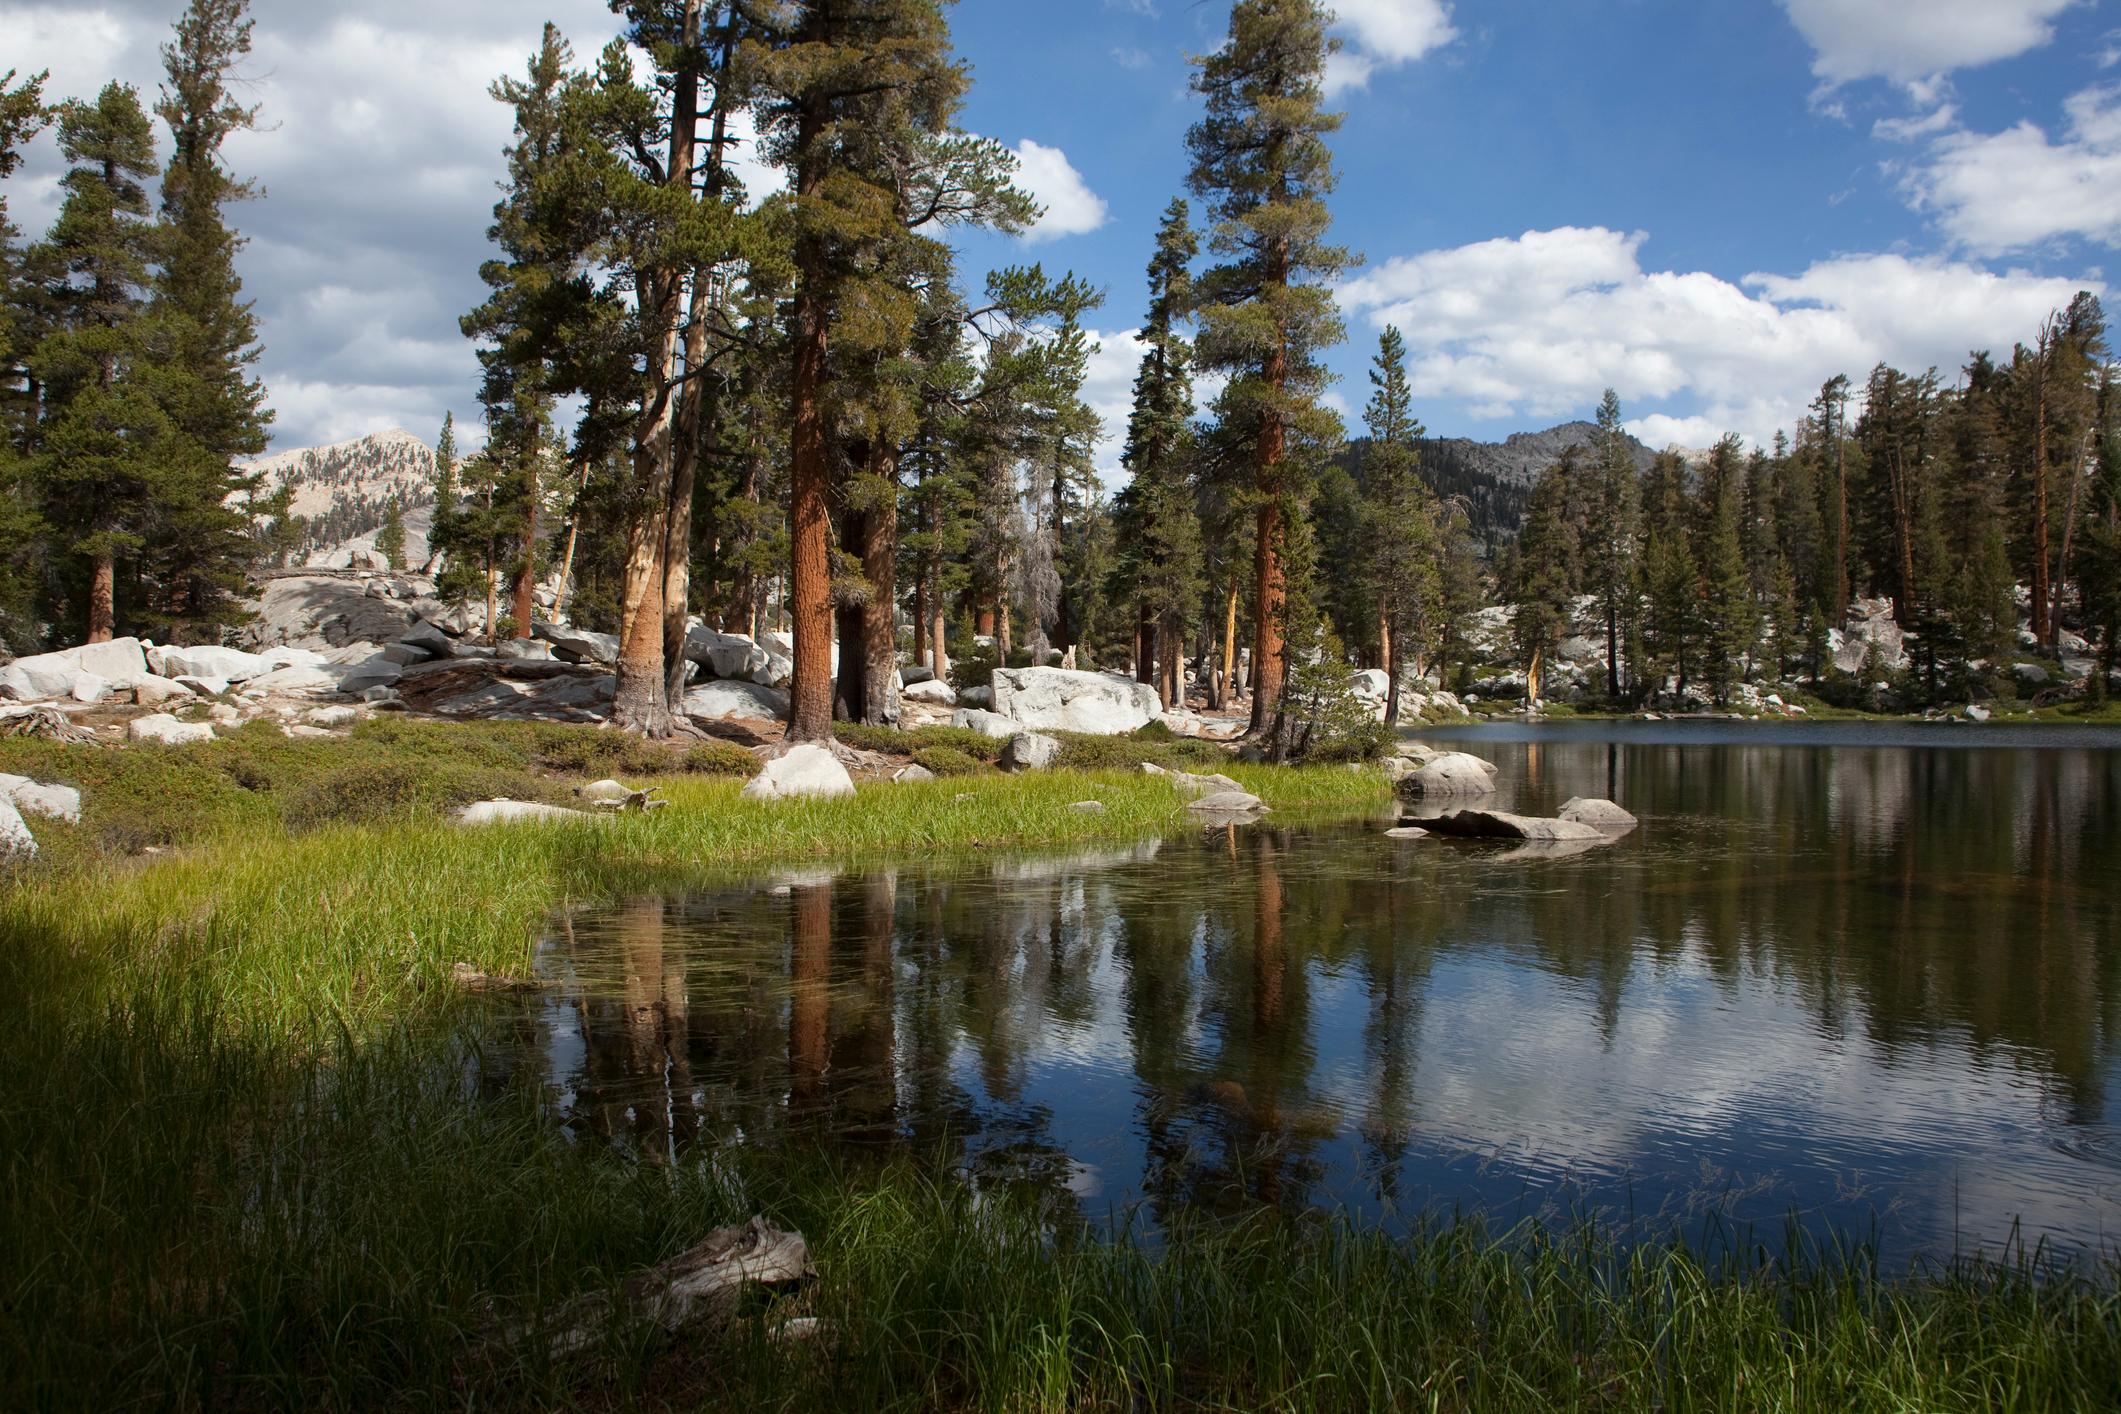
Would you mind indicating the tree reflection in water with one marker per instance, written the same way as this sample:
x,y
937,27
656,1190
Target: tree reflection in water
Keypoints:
x,y
1819,980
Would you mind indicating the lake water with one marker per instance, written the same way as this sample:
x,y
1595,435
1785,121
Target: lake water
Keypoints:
x,y
1869,978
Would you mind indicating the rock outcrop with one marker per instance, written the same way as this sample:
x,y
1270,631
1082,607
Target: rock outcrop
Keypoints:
x,y
16,842
1056,699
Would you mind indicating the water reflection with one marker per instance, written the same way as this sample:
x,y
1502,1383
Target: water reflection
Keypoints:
x,y
1872,985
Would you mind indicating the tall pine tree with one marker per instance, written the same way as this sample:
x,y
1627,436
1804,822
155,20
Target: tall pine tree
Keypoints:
x,y
1261,161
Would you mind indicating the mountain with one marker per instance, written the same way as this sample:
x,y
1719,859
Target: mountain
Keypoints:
x,y
1494,479
342,490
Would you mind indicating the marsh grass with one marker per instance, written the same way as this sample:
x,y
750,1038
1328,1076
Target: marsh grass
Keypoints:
x,y
254,1154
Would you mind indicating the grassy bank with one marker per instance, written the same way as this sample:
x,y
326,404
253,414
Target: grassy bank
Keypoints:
x,y
244,1161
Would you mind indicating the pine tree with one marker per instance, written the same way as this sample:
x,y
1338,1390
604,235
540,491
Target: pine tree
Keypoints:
x,y
1615,534
23,114
852,95
535,308
1261,161
390,540
1158,522
1404,546
104,438
1729,625
1547,556
206,336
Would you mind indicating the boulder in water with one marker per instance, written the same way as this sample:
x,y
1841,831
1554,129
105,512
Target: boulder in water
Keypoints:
x,y
1453,773
1501,825
1601,815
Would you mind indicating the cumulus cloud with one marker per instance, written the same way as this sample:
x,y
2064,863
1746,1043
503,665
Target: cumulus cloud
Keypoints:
x,y
1383,34
379,155
1998,192
1072,209
1536,326
1905,42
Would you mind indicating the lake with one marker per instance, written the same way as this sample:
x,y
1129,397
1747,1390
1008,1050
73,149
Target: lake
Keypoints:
x,y
1862,978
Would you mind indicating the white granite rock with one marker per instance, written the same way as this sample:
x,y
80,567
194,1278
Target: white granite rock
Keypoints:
x,y
805,772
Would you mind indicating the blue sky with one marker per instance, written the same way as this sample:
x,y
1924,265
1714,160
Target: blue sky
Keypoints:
x,y
1712,206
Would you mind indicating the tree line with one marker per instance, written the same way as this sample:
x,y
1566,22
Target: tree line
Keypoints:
x,y
127,396
797,413
1988,513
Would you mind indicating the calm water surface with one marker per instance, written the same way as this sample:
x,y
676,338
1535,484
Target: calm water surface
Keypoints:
x,y
1869,977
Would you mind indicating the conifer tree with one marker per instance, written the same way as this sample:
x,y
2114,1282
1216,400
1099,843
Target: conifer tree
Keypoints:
x,y
1545,573
1261,161
23,114
1729,626
390,540
851,95
1615,533
1402,530
210,512
103,438
1158,524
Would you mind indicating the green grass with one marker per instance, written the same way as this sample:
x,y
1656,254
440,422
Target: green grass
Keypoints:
x,y
241,1165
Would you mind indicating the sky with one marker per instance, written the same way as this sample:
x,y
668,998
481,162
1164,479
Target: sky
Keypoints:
x,y
1710,207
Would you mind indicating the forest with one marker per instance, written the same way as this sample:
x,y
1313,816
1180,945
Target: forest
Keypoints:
x,y
798,412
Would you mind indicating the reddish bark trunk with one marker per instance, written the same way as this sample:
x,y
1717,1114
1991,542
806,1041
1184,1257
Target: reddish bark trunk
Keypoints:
x,y
102,598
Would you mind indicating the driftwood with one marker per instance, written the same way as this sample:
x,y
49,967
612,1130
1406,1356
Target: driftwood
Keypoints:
x,y
702,1285
47,722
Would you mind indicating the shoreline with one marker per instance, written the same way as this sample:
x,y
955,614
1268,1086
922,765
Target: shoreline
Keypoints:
x,y
241,1082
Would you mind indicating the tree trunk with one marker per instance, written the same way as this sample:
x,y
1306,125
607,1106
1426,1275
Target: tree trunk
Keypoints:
x,y
920,618
565,588
1231,691
492,608
809,558
939,640
642,701
696,415
1531,679
1144,644
878,645
1270,664
1002,645
102,598
1841,526
1269,660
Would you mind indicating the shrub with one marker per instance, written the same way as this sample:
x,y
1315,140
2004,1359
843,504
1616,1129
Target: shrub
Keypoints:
x,y
1120,753
718,758
948,761
375,791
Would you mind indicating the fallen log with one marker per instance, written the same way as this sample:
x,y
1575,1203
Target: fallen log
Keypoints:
x,y
700,1286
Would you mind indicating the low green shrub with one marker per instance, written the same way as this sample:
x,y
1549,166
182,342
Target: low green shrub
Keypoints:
x,y
948,761
1123,753
718,758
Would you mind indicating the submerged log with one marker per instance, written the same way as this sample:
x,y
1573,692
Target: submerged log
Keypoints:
x,y
700,1286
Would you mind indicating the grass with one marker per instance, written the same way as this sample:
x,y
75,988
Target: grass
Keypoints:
x,y
242,1164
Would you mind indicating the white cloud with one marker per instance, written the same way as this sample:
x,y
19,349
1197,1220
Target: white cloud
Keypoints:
x,y
2005,191
1536,326
1938,120
1128,57
1071,207
1907,41
1382,34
